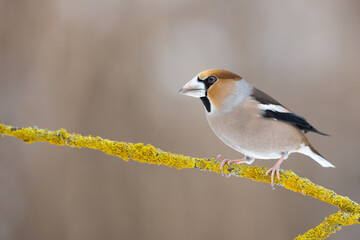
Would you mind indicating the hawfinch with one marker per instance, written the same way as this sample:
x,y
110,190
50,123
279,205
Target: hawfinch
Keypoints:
x,y
250,121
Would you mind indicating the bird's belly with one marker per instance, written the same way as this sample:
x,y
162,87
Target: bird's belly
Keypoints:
x,y
254,151
255,137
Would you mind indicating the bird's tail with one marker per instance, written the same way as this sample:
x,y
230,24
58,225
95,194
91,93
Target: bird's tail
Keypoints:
x,y
310,151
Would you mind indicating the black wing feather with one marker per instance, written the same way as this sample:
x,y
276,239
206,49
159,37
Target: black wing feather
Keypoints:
x,y
288,117
294,119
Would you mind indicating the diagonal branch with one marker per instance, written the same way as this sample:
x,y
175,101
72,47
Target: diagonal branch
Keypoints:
x,y
331,224
349,210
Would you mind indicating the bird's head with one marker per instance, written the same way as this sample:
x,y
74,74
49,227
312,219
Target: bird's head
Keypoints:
x,y
213,87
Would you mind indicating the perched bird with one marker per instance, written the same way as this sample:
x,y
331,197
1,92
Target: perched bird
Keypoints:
x,y
250,121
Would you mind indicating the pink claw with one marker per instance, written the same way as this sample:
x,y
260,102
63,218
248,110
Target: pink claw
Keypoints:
x,y
228,161
273,169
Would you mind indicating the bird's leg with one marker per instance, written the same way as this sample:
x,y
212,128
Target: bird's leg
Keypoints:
x,y
228,161
275,168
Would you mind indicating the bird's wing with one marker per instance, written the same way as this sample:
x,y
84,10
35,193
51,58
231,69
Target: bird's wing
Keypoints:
x,y
273,109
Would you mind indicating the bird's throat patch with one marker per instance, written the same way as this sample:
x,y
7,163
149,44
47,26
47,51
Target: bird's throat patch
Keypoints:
x,y
206,103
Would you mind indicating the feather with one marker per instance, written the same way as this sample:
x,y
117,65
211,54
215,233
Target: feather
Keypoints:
x,y
273,109
293,119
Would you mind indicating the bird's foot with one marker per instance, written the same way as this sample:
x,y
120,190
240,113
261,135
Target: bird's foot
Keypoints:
x,y
273,169
228,161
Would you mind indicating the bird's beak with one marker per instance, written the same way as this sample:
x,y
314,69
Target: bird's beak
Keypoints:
x,y
194,88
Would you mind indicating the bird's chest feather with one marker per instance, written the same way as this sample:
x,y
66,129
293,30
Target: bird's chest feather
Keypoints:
x,y
247,132
233,127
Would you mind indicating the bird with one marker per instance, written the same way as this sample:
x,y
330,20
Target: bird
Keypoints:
x,y
250,121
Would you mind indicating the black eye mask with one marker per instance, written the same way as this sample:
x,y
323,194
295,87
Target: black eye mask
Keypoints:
x,y
207,82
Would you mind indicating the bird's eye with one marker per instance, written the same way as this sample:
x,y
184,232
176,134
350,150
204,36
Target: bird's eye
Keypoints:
x,y
211,79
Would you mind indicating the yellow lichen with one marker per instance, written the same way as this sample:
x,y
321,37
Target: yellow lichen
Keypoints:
x,y
349,210
331,224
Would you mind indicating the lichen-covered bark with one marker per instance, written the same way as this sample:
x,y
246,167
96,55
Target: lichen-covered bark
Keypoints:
x,y
349,210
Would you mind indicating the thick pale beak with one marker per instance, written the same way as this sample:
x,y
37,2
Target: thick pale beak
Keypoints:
x,y
193,88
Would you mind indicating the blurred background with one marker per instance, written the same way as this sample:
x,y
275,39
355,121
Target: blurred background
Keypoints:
x,y
114,68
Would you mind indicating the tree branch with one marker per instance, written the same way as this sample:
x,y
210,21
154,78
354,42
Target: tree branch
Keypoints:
x,y
349,210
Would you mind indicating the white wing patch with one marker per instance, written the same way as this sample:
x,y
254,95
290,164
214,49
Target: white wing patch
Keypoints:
x,y
272,107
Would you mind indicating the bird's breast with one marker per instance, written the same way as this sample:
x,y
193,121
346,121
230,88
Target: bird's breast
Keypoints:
x,y
246,131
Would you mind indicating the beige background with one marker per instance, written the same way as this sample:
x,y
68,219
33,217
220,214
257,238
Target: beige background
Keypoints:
x,y
113,68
